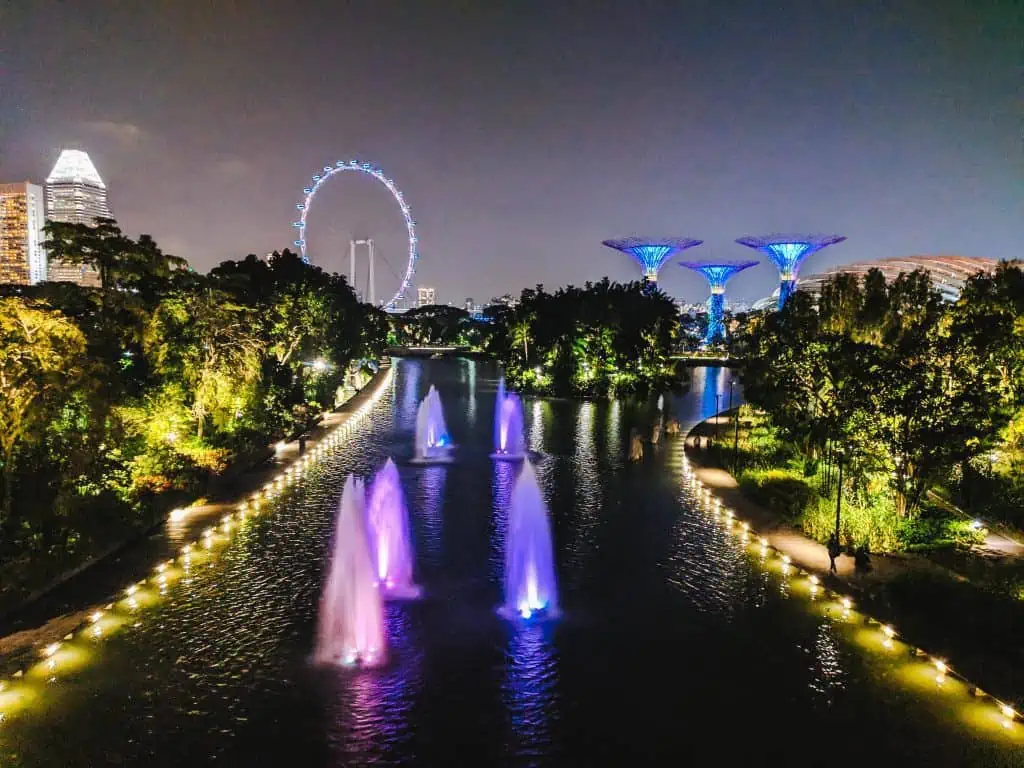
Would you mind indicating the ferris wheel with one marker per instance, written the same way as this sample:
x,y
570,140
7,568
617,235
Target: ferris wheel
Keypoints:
x,y
373,171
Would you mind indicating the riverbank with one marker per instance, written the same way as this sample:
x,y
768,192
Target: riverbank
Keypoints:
x,y
933,606
67,605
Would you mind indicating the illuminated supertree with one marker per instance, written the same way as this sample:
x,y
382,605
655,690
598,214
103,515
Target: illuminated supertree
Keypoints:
x,y
652,254
787,253
717,274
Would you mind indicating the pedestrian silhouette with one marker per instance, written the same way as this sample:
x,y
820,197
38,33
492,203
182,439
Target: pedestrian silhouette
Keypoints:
x,y
833,552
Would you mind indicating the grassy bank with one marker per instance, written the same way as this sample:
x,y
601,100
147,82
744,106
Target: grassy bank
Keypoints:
x,y
970,609
804,493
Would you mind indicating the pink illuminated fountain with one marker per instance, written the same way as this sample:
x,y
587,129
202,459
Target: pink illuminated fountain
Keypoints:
x,y
351,621
390,544
509,443
432,443
531,590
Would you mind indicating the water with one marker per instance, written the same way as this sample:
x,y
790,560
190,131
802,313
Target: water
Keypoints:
x,y
390,544
351,621
509,442
432,441
531,590
675,645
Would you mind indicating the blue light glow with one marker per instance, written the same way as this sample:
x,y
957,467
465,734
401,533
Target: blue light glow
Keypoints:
x,y
716,319
787,253
651,255
717,275
786,289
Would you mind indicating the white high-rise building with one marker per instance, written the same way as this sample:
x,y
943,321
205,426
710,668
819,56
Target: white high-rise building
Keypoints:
x,y
425,297
22,257
75,193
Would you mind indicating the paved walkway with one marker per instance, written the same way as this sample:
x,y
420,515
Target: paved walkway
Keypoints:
x,y
806,552
997,544
137,561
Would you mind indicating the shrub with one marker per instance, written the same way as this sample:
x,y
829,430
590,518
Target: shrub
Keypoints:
x,y
875,522
936,530
777,490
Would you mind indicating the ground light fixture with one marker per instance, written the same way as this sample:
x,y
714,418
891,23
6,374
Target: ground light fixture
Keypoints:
x,y
1004,713
53,654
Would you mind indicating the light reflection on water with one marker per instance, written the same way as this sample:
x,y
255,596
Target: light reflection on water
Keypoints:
x,y
587,504
529,688
827,673
470,368
536,429
615,450
505,473
368,711
429,508
665,607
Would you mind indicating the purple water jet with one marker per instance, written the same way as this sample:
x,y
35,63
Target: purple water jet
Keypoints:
x,y
432,443
531,590
351,621
390,543
509,443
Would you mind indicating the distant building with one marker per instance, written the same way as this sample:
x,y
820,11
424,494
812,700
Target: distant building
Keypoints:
x,y
75,193
425,297
507,300
468,304
22,257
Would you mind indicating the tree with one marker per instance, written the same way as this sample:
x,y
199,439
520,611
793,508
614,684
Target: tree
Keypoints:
x,y
42,359
208,342
121,262
905,383
592,340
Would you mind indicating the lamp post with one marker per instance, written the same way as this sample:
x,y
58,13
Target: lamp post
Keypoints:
x,y
839,491
736,433
718,407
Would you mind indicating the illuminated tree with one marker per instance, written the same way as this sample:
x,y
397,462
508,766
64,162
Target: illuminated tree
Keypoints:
x,y
593,340
42,360
209,343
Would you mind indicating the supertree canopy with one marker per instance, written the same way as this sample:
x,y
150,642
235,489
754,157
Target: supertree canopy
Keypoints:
x,y
717,274
787,253
652,254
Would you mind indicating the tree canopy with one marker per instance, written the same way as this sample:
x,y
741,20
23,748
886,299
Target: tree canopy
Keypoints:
x,y
888,378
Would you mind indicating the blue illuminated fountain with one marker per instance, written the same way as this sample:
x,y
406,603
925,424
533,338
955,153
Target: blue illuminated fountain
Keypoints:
x,y
531,591
717,274
432,443
652,254
351,620
787,253
509,443
390,543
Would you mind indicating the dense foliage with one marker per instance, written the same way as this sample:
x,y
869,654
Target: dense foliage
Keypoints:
x,y
112,397
603,338
436,325
903,390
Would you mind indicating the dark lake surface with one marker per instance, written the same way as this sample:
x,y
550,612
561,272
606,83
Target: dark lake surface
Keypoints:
x,y
676,647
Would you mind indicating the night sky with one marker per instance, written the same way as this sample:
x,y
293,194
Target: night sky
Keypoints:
x,y
523,133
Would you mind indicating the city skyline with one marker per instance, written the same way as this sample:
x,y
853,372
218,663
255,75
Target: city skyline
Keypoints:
x,y
894,128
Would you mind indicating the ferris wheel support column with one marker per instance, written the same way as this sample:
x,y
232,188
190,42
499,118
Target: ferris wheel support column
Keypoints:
x,y
373,286
352,264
